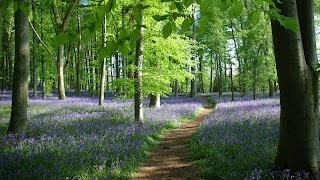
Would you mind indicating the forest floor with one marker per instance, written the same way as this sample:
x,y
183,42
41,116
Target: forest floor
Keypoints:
x,y
169,159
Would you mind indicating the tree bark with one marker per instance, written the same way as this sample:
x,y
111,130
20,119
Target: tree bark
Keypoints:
x,y
154,101
295,55
193,85
103,65
211,72
34,52
138,106
271,88
231,81
176,87
78,85
18,118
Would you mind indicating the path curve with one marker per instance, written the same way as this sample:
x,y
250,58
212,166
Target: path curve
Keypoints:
x,y
169,158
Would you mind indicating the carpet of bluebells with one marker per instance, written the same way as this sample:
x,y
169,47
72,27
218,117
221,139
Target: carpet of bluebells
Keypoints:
x,y
239,140
77,139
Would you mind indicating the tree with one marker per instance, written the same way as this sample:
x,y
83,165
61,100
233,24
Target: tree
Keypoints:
x,y
138,111
61,25
296,62
21,68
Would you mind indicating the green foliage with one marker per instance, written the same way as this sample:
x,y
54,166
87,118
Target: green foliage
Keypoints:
x,y
167,30
254,18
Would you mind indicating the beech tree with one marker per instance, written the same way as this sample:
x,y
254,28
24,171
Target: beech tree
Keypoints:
x,y
295,54
21,69
61,25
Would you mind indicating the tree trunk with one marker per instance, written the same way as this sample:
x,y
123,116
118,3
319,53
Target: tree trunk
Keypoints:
x,y
61,25
138,106
2,50
18,118
295,55
231,81
211,72
193,87
61,89
103,65
275,86
78,85
254,84
271,88
176,87
34,52
117,59
154,101
43,67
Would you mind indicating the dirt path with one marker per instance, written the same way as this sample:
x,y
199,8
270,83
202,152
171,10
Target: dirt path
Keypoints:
x,y
169,158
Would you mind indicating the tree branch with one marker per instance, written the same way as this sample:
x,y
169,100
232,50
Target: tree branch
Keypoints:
x,y
66,17
57,17
43,44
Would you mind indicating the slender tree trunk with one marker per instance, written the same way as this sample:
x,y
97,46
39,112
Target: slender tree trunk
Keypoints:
x,y
295,55
231,82
211,72
108,73
193,87
117,59
176,87
154,101
254,84
10,62
103,65
271,88
34,52
78,85
138,106
275,86
61,89
43,66
18,118
201,88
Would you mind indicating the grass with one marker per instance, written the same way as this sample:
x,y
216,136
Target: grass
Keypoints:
x,y
77,139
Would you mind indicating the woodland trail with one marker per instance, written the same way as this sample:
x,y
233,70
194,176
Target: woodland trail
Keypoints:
x,y
169,158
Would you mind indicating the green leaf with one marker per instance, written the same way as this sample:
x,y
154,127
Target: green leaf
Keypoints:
x,y
159,17
203,22
290,23
124,48
135,35
174,26
24,9
205,4
185,25
108,51
188,3
199,2
137,16
271,3
124,34
235,10
254,18
167,30
103,53
15,6
61,39
222,5
178,5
